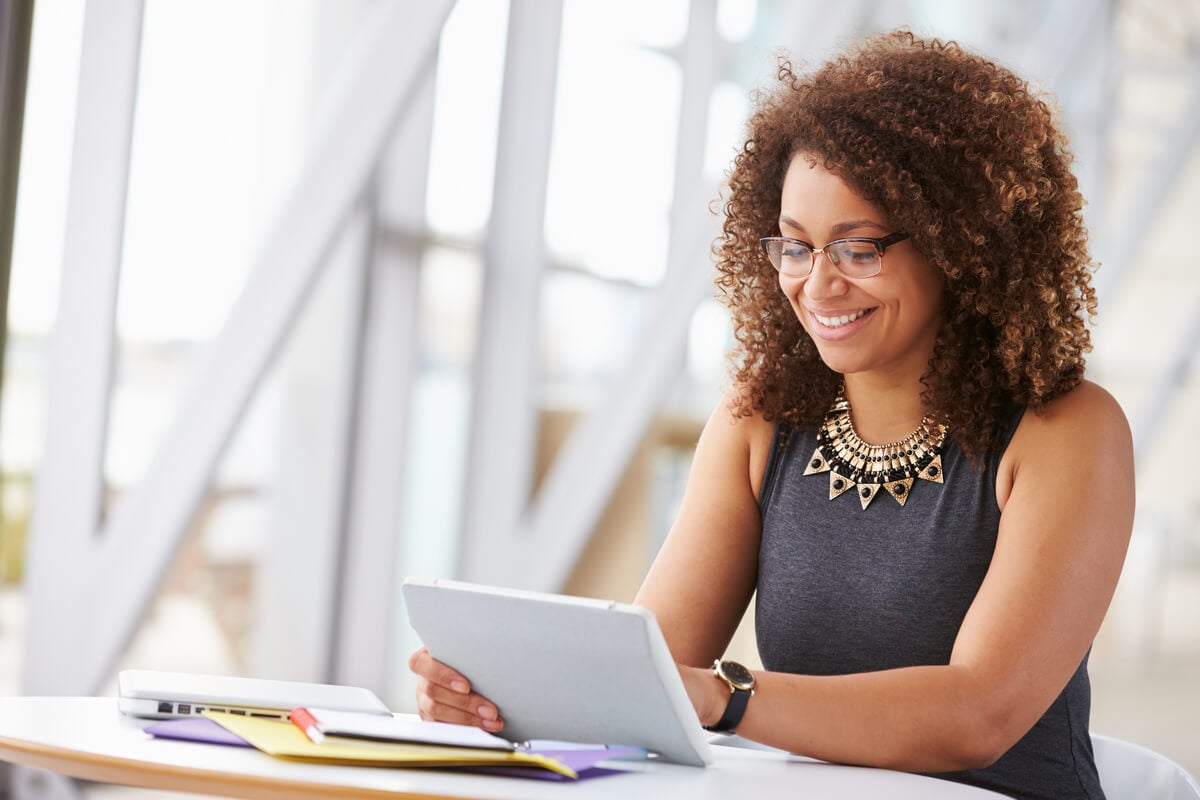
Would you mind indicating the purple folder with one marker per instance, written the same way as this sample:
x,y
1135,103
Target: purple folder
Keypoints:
x,y
583,761
195,729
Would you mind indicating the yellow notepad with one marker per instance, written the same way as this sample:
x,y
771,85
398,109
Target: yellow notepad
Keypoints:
x,y
284,740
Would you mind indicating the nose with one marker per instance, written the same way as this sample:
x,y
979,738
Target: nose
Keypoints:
x,y
825,281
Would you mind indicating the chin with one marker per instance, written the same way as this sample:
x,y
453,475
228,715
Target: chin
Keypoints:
x,y
842,363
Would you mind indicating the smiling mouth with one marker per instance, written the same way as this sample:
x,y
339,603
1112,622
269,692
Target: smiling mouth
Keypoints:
x,y
844,319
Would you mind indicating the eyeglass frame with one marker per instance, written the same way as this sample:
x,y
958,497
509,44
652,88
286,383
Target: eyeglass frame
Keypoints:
x,y
881,244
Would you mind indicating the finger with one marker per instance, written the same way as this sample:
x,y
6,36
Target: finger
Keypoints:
x,y
479,715
415,659
428,667
436,713
474,704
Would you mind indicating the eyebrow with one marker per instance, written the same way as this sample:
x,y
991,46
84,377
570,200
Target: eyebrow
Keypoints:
x,y
838,229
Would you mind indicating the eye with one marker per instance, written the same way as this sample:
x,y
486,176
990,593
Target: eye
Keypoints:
x,y
855,252
791,257
795,250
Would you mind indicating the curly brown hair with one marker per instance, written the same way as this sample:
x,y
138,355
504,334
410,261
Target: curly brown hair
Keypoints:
x,y
967,159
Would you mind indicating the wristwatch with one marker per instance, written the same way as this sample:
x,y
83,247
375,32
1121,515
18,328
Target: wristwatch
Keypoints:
x,y
741,686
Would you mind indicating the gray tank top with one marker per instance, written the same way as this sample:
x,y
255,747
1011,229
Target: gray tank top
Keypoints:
x,y
844,590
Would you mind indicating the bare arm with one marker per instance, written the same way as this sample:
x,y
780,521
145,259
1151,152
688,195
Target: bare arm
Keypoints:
x,y
699,584
1066,490
703,578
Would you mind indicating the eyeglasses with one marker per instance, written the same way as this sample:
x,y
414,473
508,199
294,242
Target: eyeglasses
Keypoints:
x,y
854,257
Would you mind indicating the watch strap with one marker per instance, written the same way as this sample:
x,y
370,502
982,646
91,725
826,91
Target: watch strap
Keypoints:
x,y
734,711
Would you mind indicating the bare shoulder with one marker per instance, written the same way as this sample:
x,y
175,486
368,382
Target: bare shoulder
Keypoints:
x,y
1087,415
749,434
1082,434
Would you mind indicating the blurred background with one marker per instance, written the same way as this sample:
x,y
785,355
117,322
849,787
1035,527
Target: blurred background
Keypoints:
x,y
306,296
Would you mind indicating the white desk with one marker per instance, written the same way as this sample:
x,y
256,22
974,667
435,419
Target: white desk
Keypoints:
x,y
88,738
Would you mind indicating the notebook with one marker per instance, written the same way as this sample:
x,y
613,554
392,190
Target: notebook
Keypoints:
x,y
559,667
166,695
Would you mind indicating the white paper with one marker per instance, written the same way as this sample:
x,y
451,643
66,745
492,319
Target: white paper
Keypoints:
x,y
404,729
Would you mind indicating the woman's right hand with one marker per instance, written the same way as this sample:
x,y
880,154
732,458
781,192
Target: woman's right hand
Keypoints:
x,y
444,695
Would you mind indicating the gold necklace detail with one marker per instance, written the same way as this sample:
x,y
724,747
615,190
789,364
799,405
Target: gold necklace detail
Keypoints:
x,y
854,464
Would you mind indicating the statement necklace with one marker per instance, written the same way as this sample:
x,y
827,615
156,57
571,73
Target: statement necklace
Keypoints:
x,y
854,464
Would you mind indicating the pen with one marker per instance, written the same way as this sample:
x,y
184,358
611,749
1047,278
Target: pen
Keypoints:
x,y
307,723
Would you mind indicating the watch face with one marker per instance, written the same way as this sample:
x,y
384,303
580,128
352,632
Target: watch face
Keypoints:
x,y
738,675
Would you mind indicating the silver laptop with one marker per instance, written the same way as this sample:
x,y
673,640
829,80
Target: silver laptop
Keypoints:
x,y
167,695
559,667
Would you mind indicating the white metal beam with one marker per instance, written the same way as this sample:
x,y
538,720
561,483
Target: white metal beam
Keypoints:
x,y
701,66
1149,422
81,363
814,29
1178,145
147,524
505,381
294,620
1092,125
589,467
576,490
70,485
1059,40
366,623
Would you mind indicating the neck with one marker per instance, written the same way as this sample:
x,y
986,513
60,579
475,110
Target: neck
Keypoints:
x,y
884,410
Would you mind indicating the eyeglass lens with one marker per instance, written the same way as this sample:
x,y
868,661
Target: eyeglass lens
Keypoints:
x,y
855,259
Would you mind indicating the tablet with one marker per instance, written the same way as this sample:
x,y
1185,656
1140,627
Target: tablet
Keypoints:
x,y
167,695
559,667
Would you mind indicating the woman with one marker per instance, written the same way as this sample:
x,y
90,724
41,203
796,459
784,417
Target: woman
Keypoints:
x,y
931,502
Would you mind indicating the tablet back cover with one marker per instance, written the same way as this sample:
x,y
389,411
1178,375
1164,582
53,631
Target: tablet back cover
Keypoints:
x,y
560,667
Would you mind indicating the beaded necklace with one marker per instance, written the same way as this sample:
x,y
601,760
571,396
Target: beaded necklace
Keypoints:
x,y
854,464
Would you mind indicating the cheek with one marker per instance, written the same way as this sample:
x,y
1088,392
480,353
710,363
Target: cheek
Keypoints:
x,y
929,314
792,289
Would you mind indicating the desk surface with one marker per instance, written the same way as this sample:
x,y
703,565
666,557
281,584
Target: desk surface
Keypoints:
x,y
88,738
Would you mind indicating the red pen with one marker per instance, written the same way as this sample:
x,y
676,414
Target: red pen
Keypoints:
x,y
306,722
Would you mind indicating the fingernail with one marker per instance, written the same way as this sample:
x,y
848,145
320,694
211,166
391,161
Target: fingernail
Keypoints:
x,y
492,724
487,712
459,687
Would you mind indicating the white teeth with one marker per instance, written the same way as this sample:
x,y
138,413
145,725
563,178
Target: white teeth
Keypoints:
x,y
837,322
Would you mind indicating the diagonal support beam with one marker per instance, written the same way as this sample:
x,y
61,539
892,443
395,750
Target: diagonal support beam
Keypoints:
x,y
145,528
